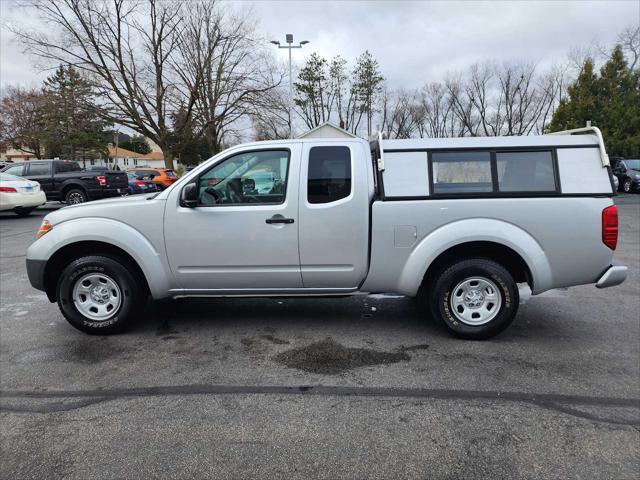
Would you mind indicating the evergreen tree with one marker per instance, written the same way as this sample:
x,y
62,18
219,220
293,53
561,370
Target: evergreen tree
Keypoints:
x,y
367,84
73,121
580,104
136,144
611,101
619,105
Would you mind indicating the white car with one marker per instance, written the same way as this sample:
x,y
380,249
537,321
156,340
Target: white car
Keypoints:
x,y
20,195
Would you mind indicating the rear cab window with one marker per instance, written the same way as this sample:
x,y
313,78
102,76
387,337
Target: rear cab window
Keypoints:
x,y
63,167
39,168
329,174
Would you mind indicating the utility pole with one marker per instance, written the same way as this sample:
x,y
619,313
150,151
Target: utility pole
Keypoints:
x,y
289,46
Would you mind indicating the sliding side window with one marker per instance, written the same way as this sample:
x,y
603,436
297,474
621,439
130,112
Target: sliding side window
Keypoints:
x,y
525,172
329,177
461,172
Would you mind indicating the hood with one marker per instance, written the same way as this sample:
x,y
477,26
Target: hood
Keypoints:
x,y
108,207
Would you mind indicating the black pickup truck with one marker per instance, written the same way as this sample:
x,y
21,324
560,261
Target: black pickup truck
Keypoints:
x,y
64,180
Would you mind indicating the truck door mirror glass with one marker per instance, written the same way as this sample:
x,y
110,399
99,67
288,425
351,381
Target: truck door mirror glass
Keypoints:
x,y
189,195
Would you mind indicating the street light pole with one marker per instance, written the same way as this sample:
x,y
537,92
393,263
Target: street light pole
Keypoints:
x,y
290,46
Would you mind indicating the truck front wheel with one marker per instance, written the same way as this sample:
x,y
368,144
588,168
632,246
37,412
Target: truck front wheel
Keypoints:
x,y
98,295
475,298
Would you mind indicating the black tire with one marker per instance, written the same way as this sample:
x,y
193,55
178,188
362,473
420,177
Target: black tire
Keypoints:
x,y
441,292
23,212
626,185
131,298
75,196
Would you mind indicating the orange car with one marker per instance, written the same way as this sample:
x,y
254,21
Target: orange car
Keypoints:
x,y
163,177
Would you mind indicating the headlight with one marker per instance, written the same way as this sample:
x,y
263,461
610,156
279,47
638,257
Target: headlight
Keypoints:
x,y
44,228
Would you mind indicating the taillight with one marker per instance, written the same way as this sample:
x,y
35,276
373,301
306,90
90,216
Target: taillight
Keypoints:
x,y
139,184
8,190
610,226
44,228
102,180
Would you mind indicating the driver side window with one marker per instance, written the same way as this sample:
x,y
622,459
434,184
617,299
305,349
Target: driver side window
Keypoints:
x,y
246,178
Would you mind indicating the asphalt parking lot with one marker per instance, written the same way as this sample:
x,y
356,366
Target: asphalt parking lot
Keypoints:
x,y
360,387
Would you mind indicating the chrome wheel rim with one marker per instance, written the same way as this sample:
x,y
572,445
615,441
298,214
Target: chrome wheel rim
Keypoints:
x,y
75,198
97,296
626,186
476,301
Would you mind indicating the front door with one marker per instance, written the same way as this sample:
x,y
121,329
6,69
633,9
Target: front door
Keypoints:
x,y
243,235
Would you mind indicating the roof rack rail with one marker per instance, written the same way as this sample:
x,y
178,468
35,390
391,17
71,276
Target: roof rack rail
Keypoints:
x,y
603,152
375,141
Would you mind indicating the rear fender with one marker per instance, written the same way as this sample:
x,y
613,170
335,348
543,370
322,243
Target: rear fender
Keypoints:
x,y
475,230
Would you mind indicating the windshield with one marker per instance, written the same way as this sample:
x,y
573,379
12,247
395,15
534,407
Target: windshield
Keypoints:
x,y
5,177
633,163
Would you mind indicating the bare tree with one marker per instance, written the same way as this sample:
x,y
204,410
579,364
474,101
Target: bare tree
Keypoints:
x,y
131,51
270,116
509,99
629,40
21,119
437,118
226,65
399,117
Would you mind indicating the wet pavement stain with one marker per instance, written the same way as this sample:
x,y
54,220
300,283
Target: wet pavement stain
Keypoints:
x,y
413,348
276,340
329,357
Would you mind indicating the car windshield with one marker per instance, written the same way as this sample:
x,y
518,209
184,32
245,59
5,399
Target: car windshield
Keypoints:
x,y
170,173
634,164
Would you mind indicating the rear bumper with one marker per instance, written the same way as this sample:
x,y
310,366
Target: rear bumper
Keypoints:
x,y
108,192
35,272
614,275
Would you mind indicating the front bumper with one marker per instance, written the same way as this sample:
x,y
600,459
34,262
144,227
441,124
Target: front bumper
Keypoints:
x,y
614,275
35,272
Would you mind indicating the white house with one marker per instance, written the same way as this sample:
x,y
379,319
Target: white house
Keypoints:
x,y
327,130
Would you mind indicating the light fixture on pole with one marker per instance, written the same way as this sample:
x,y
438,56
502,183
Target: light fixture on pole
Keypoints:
x,y
289,46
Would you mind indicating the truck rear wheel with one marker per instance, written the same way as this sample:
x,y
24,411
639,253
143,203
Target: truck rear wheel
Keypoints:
x,y
98,295
475,298
75,196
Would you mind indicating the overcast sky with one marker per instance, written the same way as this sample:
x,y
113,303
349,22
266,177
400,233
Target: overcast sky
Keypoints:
x,y
414,42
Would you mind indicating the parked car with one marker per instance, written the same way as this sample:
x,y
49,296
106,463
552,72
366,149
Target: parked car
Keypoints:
x,y
20,195
140,184
163,177
628,173
456,222
65,181
4,163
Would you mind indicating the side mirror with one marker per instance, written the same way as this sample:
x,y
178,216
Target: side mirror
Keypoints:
x,y
189,195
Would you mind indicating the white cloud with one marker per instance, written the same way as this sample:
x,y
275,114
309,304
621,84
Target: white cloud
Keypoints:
x,y
414,42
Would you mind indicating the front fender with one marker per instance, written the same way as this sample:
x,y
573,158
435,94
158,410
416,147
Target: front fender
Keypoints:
x,y
152,263
475,230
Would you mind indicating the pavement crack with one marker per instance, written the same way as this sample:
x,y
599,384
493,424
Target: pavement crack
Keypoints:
x,y
557,402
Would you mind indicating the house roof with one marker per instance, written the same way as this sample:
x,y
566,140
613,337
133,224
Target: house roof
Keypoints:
x,y
335,130
124,153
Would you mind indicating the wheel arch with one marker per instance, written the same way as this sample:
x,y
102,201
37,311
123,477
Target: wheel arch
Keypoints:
x,y
72,251
503,242
79,237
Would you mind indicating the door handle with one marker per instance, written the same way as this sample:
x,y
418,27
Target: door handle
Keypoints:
x,y
279,219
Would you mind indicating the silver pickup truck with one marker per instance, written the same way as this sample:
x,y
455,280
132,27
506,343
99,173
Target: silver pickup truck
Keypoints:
x,y
457,223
